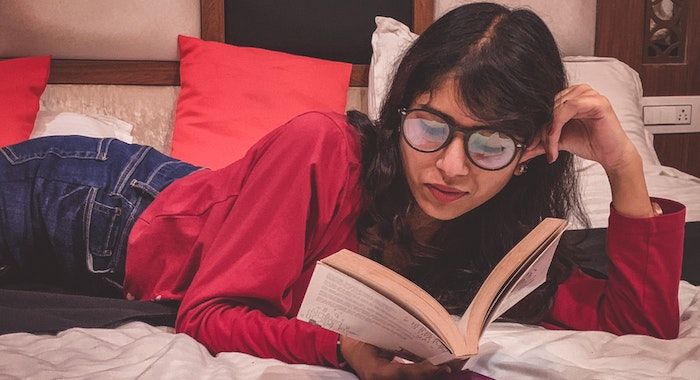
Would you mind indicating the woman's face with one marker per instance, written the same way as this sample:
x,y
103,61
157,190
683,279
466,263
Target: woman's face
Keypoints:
x,y
445,183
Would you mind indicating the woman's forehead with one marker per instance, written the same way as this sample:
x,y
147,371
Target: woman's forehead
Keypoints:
x,y
446,99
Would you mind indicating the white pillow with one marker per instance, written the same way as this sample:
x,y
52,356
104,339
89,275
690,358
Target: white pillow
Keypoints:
x,y
50,123
612,78
389,41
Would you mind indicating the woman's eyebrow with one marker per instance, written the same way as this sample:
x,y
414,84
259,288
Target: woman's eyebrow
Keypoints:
x,y
451,119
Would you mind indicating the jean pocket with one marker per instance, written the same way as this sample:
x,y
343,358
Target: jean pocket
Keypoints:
x,y
101,233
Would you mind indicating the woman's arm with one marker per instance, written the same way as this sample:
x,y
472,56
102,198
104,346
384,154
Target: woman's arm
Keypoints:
x,y
640,295
645,252
295,203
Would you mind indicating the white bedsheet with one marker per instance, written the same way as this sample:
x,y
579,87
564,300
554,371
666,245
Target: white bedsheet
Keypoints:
x,y
508,351
662,182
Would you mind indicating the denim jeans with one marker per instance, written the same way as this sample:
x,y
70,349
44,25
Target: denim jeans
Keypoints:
x,y
68,203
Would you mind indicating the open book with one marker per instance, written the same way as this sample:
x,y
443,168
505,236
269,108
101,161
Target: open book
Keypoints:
x,y
357,297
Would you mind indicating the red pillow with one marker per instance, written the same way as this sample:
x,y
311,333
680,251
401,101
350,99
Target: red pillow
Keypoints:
x,y
22,81
231,96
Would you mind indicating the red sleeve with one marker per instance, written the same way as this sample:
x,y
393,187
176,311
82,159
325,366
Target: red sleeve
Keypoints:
x,y
294,193
640,295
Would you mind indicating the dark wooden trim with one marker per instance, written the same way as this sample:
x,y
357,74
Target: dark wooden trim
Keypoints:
x,y
693,48
620,31
212,15
359,76
679,150
156,73
423,14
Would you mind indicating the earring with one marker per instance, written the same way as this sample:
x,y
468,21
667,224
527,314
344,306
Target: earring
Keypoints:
x,y
522,168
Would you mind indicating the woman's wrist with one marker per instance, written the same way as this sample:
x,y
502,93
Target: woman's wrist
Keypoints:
x,y
339,354
630,196
342,363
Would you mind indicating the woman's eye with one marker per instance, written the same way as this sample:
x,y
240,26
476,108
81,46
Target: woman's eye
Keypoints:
x,y
434,128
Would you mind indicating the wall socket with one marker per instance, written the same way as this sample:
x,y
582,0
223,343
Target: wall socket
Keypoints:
x,y
671,114
683,114
667,114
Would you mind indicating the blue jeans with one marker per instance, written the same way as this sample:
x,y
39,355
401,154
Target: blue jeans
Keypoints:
x,y
68,203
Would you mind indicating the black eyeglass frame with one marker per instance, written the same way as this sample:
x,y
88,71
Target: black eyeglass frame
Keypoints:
x,y
454,128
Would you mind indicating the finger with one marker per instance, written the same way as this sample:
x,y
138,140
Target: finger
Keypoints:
x,y
531,153
423,370
562,114
571,90
545,140
536,140
575,92
564,92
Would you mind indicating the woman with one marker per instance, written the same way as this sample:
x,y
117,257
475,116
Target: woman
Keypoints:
x,y
472,149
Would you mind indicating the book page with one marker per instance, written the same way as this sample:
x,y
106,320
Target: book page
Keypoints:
x,y
534,276
505,285
342,304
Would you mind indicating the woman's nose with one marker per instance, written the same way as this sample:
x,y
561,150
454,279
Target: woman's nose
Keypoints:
x,y
453,161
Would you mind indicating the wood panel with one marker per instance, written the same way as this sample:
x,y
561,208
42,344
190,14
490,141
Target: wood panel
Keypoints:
x,y
156,73
620,27
212,17
359,76
693,51
620,31
680,150
423,15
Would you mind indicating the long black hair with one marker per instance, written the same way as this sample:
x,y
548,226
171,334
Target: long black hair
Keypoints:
x,y
506,67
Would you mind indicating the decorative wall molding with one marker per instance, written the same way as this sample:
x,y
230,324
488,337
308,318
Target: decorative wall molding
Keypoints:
x,y
665,31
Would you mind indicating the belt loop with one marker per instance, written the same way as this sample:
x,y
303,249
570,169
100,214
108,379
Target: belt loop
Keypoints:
x,y
102,148
144,187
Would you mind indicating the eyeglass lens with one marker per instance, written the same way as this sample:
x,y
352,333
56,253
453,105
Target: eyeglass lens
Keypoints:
x,y
488,149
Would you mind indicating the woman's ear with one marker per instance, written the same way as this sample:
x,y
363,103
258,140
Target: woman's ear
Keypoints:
x,y
520,169
530,153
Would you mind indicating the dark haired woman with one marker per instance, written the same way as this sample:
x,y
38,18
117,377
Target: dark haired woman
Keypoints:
x,y
472,149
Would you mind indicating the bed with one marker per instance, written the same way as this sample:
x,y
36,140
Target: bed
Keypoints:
x,y
136,94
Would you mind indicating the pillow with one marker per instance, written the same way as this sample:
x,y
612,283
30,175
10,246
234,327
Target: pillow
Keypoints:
x,y
231,96
390,41
612,78
50,123
22,81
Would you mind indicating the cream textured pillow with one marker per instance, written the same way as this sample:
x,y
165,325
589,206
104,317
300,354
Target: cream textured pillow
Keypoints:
x,y
612,78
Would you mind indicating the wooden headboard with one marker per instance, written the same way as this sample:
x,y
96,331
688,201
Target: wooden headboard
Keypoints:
x,y
621,31
167,72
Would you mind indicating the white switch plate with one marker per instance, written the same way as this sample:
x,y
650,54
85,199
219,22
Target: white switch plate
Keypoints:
x,y
671,114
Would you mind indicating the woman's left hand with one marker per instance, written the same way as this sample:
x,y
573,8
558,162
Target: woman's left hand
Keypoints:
x,y
584,124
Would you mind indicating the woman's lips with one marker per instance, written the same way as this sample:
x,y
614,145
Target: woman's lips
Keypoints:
x,y
445,194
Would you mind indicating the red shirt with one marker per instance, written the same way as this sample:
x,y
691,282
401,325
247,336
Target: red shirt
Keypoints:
x,y
640,295
237,247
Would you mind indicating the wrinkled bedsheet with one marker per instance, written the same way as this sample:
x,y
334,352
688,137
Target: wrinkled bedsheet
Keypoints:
x,y
508,351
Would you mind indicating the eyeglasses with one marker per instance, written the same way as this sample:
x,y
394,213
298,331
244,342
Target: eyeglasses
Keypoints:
x,y
428,131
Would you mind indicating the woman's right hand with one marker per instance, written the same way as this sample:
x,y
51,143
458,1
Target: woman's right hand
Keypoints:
x,y
370,362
